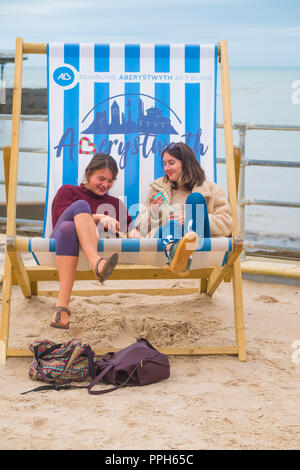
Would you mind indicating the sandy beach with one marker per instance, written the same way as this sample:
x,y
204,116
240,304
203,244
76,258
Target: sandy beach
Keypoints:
x,y
209,402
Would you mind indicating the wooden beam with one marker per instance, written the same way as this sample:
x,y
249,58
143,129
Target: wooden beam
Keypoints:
x,y
15,138
6,163
5,314
11,197
237,165
239,310
20,273
103,292
228,135
121,272
170,351
218,274
32,48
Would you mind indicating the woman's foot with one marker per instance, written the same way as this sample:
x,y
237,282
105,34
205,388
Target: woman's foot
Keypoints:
x,y
179,254
60,318
105,266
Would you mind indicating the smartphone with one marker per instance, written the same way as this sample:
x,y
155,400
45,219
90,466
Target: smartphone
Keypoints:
x,y
157,195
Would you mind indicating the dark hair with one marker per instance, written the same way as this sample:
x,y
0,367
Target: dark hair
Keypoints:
x,y
192,172
99,161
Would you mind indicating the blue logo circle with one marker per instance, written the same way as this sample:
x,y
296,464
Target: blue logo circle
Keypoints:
x,y
63,76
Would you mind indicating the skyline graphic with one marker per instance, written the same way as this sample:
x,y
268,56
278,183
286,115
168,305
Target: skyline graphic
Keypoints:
x,y
150,122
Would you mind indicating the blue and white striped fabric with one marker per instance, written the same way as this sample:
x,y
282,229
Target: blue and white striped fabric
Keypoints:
x,y
129,101
148,251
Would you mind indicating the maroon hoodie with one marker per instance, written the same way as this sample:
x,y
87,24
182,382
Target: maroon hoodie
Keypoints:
x,y
106,204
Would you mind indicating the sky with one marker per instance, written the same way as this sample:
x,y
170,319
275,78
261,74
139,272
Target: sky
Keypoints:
x,y
260,33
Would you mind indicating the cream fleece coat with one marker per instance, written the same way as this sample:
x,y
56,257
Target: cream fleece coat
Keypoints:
x,y
218,208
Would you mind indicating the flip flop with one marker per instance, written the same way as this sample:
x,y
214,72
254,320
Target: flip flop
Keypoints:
x,y
179,254
108,267
57,323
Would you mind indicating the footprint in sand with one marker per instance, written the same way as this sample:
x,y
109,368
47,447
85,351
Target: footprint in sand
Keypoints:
x,y
267,299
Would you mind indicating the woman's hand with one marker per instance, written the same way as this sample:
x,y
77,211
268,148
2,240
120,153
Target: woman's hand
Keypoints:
x,y
109,223
134,233
157,199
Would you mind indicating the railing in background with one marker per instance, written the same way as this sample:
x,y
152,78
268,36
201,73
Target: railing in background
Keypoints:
x,y
242,201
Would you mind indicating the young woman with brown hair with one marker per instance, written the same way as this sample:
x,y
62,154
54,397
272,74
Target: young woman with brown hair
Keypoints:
x,y
76,212
183,207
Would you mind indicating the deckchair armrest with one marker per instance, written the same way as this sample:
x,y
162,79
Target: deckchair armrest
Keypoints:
x,y
11,243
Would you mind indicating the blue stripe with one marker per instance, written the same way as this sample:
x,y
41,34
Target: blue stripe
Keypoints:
x,y
100,245
48,160
215,113
192,98
192,115
35,259
162,93
206,244
30,247
225,258
101,93
162,58
132,247
132,58
160,247
52,245
71,118
131,148
132,141
192,58
101,54
229,244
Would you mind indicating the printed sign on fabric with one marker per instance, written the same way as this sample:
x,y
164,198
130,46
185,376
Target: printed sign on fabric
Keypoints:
x,y
128,101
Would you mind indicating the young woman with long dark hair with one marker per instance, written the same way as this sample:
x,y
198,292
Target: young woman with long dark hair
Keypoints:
x,y
183,207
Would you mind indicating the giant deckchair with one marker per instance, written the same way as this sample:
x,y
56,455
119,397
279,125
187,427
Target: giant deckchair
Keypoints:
x,y
132,102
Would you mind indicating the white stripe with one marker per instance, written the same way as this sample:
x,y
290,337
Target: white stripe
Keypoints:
x,y
40,244
219,244
207,53
116,87
147,88
148,244
56,125
112,244
86,101
177,91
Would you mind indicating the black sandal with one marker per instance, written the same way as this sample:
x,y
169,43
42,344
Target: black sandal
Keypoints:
x,y
57,323
108,267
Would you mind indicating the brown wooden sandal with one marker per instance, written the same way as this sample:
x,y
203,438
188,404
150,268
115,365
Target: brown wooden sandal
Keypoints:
x,y
109,266
57,323
179,260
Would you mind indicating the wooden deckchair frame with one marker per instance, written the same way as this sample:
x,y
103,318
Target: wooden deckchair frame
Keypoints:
x,y
28,277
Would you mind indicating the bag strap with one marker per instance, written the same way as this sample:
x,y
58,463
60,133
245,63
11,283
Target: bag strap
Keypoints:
x,y
99,377
56,387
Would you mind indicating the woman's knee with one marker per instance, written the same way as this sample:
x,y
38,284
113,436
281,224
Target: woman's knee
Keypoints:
x,y
80,207
67,243
196,215
195,198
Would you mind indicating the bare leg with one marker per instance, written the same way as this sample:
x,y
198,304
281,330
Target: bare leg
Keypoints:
x,y
88,239
66,266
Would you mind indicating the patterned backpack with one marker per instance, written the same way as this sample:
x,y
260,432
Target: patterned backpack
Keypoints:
x,y
59,364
